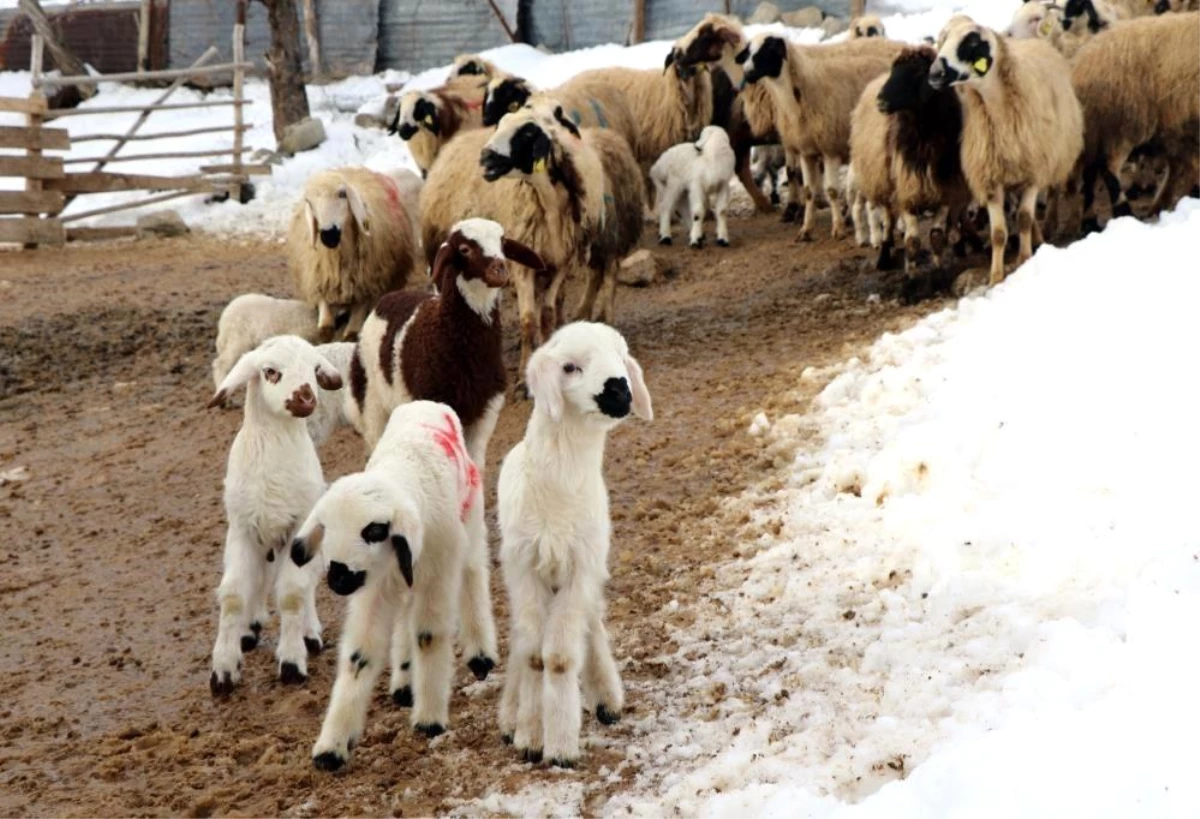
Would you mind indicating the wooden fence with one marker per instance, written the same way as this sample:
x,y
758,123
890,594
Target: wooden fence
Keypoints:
x,y
49,187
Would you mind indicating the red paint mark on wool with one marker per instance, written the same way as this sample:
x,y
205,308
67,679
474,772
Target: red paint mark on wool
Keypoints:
x,y
469,480
393,192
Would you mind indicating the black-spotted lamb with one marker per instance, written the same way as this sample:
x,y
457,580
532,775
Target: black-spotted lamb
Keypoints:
x,y
271,483
555,537
397,537
701,171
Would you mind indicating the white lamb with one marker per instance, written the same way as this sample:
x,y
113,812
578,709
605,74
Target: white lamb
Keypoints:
x,y
396,537
701,170
271,483
331,405
555,531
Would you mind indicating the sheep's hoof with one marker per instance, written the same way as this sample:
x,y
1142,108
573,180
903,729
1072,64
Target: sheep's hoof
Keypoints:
x,y
221,686
506,738
722,243
885,260
531,755
664,240
290,674
605,716
1122,209
562,762
314,645
402,697
775,200
1090,225
480,665
329,761
430,729
790,213
802,237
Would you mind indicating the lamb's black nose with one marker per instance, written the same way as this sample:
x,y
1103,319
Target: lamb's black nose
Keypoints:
x,y
616,399
343,581
407,130
494,165
330,237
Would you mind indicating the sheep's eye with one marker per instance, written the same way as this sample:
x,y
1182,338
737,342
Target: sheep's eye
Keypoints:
x,y
570,368
271,374
341,194
375,532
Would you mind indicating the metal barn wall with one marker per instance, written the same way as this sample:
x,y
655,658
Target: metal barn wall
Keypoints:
x,y
104,36
420,34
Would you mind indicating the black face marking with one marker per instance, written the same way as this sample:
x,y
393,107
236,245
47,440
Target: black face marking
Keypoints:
x,y
872,31
470,69
972,49
768,60
331,237
403,557
907,86
504,98
426,113
670,60
375,532
529,144
743,55
344,582
616,399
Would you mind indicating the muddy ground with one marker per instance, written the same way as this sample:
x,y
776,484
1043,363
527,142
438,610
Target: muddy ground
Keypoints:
x,y
110,547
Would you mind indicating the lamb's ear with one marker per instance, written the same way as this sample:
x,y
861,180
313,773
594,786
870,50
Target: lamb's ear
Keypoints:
x,y
545,383
729,35
642,406
522,255
307,542
442,272
310,216
245,369
358,209
328,377
403,557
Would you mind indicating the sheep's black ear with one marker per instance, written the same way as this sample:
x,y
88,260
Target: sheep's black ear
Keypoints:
x,y
441,273
403,557
522,255
742,56
562,120
669,61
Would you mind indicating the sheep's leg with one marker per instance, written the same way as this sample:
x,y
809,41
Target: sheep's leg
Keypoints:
x,y
808,168
874,222
995,209
912,241
601,680
722,205
358,317
587,299
244,568
885,261
478,627
1053,209
937,235
608,296
362,652
562,656
794,209
325,322
295,593
257,603
698,204
858,208
521,702
432,631
552,305
668,200
400,684
1026,221
525,285
1112,180
1089,223
746,177
833,192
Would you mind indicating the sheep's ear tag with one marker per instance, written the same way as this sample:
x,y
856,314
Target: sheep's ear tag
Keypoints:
x,y
1044,28
429,119
539,166
981,66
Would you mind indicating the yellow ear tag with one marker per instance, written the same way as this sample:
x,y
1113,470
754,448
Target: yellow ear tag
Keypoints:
x,y
981,66
539,166
429,119
703,66
1044,28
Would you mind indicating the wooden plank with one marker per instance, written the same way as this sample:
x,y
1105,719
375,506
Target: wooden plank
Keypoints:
x,y
248,170
32,167
100,234
34,139
136,203
105,182
24,105
135,157
32,231
55,113
215,129
31,202
148,76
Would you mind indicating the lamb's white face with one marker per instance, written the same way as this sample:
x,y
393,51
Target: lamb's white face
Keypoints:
x,y
585,371
364,531
284,372
712,136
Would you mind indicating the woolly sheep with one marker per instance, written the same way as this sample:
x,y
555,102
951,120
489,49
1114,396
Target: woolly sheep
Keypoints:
x,y
701,170
1022,124
396,537
473,65
869,25
427,120
555,535
272,481
350,241
251,318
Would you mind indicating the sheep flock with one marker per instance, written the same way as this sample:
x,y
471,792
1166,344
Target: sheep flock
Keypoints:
x,y
950,145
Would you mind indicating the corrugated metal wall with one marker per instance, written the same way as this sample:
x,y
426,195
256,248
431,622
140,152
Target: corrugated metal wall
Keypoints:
x,y
419,34
104,36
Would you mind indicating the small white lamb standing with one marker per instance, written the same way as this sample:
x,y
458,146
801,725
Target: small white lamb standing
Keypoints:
x,y
396,537
272,481
701,170
555,532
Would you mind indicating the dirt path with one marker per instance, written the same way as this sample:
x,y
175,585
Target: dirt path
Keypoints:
x,y
111,547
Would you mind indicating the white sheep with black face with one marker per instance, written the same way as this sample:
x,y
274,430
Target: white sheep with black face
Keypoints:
x,y
396,537
272,481
555,532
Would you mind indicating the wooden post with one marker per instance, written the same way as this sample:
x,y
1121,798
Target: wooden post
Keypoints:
x,y
32,120
289,103
67,62
639,22
143,58
857,8
312,36
239,74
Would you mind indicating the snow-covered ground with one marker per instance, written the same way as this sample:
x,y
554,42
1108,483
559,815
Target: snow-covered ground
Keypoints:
x,y
337,103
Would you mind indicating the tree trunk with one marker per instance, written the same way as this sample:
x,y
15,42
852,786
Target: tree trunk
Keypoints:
x,y
857,8
312,37
289,103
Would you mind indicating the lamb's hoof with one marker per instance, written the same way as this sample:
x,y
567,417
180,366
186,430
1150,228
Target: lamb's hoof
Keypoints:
x,y
803,237
562,762
249,642
605,716
290,674
664,240
1090,225
1122,209
791,213
481,665
314,645
329,761
506,738
722,243
775,200
430,729
222,685
885,260
531,755
402,697
696,245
